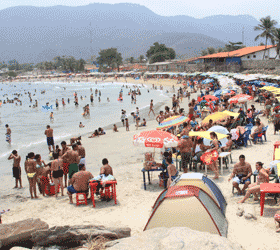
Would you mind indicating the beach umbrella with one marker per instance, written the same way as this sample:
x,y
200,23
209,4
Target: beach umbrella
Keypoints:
x,y
235,115
206,134
155,139
220,130
208,97
240,98
172,121
215,117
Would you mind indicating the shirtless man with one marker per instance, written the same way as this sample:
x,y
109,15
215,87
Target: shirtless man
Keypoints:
x,y
8,134
16,167
49,134
82,153
172,172
65,161
79,182
30,169
73,158
151,108
241,174
191,111
43,175
185,145
57,172
160,117
75,140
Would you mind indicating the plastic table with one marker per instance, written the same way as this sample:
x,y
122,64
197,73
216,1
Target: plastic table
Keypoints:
x,y
272,188
149,178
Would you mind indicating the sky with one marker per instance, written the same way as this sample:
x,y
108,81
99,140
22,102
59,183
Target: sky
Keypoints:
x,y
197,8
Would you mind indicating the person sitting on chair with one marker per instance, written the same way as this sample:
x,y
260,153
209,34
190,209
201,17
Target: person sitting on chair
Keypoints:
x,y
241,174
79,182
256,131
263,177
228,146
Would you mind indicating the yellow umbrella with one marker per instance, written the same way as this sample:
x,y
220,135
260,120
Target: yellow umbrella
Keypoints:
x,y
206,134
217,116
267,87
235,115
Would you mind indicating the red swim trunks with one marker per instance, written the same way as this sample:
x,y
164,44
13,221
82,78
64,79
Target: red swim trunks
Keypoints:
x,y
190,116
45,180
65,167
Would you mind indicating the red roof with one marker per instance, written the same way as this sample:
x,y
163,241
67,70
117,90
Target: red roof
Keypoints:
x,y
239,52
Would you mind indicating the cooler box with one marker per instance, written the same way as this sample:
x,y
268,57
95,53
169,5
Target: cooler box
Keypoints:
x,y
52,191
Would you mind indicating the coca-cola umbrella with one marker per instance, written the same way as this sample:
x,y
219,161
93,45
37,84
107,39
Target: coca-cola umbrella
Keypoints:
x,y
208,98
155,139
241,98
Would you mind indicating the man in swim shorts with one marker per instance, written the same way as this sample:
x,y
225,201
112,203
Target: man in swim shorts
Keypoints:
x,y
65,161
79,182
16,167
73,159
8,134
49,134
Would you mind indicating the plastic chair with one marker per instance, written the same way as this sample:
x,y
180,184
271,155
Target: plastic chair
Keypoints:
x,y
264,132
82,200
246,138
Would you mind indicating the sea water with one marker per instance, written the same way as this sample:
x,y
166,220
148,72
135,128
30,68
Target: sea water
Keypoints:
x,y
28,124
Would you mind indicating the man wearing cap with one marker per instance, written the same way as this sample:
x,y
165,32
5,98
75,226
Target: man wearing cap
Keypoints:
x,y
185,145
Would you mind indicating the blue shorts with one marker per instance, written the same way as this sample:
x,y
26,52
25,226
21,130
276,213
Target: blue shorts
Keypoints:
x,y
237,180
50,141
71,190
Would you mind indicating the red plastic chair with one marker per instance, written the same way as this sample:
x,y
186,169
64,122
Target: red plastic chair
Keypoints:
x,y
110,190
82,200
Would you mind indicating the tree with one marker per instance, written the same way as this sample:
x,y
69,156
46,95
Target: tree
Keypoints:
x,y
231,46
267,26
276,34
109,57
131,59
210,50
220,50
141,58
204,52
160,53
12,74
261,44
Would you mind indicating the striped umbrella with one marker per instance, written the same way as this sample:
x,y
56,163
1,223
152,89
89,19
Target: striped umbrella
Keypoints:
x,y
240,98
172,121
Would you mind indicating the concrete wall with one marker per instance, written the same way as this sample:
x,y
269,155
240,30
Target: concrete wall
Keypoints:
x,y
260,64
270,53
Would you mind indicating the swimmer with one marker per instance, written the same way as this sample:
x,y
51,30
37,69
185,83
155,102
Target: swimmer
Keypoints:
x,y
51,116
81,125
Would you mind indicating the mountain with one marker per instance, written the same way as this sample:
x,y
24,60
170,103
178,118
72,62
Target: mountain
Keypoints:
x,y
35,34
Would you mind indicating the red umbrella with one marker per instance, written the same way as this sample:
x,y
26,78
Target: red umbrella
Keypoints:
x,y
208,98
155,139
240,98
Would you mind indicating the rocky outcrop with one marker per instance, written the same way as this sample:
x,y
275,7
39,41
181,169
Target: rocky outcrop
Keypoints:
x,y
176,238
66,235
18,232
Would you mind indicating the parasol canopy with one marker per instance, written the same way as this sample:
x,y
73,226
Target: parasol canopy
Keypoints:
x,y
240,98
206,134
208,98
173,121
155,139
215,117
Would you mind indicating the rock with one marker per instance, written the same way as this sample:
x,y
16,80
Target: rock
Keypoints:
x,y
19,248
18,232
77,234
240,211
176,238
250,213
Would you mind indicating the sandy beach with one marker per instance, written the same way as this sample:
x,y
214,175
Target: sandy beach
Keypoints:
x,y
134,203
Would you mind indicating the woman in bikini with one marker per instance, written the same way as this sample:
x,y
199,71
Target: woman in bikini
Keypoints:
x,y
263,177
41,180
31,170
215,145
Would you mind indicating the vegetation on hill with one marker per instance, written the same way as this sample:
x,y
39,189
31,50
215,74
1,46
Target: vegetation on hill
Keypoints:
x,y
160,53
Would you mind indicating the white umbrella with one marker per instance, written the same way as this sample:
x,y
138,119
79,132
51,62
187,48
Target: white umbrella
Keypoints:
x,y
218,129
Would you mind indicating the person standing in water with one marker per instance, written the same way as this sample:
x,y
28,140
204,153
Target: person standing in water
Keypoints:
x,y
91,98
49,134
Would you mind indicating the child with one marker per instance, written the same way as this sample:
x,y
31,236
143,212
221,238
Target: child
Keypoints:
x,y
51,116
144,123
115,129
126,124
277,219
172,171
81,125
123,116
